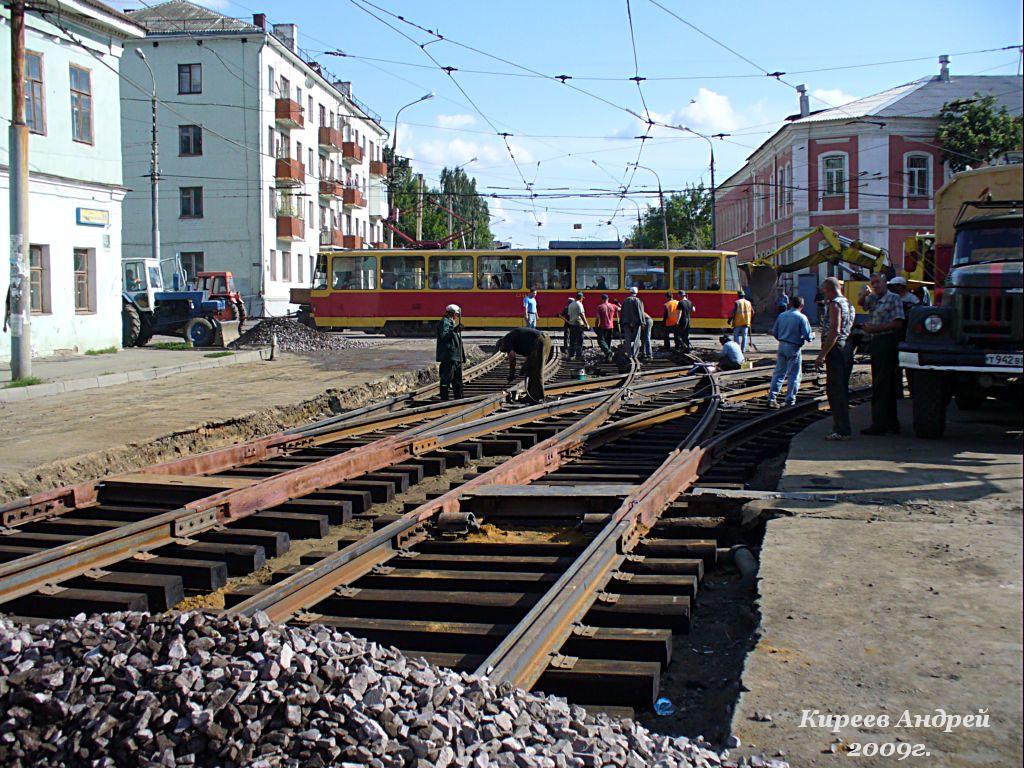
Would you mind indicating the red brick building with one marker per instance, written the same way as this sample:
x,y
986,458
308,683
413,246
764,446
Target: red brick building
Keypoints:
x,y
868,169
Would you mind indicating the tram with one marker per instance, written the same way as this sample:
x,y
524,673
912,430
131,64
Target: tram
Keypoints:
x,y
404,292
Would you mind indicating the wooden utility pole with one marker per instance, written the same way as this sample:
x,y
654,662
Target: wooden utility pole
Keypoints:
x,y
19,290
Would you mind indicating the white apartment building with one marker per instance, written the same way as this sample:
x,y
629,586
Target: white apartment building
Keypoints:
x,y
72,108
265,157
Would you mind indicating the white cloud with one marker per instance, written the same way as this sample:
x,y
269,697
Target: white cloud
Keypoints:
x,y
453,152
710,111
830,97
455,121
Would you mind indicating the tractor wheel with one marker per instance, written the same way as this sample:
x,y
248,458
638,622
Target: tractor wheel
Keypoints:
x,y
930,401
199,332
238,313
131,325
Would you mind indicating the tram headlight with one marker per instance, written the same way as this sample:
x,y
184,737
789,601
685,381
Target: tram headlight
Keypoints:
x,y
933,323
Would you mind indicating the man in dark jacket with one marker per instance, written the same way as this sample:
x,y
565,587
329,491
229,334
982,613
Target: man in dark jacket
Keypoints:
x,y
535,346
631,317
450,353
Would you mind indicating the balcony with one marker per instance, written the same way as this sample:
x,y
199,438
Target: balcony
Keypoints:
x,y
329,139
331,189
354,198
379,168
332,238
289,172
288,113
351,153
354,242
290,226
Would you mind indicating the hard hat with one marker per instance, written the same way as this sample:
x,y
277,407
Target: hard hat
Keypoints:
x,y
633,290
898,280
455,309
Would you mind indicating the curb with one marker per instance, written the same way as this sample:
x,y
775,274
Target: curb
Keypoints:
x,y
20,394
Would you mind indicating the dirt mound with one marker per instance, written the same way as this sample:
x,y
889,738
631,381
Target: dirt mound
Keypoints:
x,y
293,336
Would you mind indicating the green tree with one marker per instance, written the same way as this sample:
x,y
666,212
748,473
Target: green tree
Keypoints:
x,y
689,221
973,132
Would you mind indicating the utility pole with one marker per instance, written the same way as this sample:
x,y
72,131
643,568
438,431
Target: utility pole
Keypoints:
x,y
154,168
21,327
419,208
661,200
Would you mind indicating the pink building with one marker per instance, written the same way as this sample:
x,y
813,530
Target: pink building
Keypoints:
x,y
868,169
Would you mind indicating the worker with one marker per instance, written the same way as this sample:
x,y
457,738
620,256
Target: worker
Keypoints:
x,y
646,331
133,283
741,316
792,330
898,285
578,323
836,324
670,318
631,318
530,308
731,356
450,352
884,327
685,311
564,314
604,325
782,304
533,345
924,296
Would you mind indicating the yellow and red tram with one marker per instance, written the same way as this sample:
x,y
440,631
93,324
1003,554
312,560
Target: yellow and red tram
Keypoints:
x,y
405,291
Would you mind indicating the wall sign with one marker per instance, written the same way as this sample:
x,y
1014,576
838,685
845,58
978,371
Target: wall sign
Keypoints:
x,y
92,217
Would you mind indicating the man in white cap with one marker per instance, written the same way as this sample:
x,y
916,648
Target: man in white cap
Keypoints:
x,y
898,285
631,317
450,353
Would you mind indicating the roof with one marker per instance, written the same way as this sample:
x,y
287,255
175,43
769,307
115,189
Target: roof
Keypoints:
x,y
182,17
94,14
925,98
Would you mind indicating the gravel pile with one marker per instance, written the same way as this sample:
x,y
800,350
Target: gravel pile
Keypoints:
x,y
293,336
198,690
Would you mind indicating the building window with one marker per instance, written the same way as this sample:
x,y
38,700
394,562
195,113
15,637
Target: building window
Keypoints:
x,y
193,263
298,269
191,202
271,80
81,105
34,114
918,171
834,174
190,140
286,266
789,188
39,279
190,78
84,271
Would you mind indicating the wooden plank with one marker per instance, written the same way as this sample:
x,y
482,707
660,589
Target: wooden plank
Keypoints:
x,y
338,512
539,490
604,681
296,524
72,601
274,543
452,636
628,643
195,574
644,611
483,562
454,580
162,591
241,559
73,526
430,605
380,492
655,584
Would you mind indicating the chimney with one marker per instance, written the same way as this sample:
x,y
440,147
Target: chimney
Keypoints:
x,y
345,86
944,68
805,103
259,20
289,35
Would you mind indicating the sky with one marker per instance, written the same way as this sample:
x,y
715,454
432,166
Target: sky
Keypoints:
x,y
570,144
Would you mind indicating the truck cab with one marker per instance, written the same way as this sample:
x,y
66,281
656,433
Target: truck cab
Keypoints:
x,y
970,346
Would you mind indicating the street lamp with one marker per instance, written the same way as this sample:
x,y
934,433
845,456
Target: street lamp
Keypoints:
x,y
661,200
618,237
154,167
639,224
391,169
711,146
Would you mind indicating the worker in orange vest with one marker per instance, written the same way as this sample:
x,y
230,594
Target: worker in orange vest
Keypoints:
x,y
671,320
741,318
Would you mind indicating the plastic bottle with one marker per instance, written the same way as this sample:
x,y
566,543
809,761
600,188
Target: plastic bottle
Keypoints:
x,y
664,707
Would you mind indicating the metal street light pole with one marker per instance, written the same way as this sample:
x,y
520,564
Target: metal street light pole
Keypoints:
x,y
661,200
154,168
391,168
711,146
19,290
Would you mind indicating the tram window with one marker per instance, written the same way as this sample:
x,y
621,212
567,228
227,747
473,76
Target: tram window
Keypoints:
x,y
732,274
647,274
320,273
698,273
597,273
354,273
549,272
500,273
401,273
451,273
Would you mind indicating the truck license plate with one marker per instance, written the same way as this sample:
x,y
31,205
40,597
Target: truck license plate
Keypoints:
x,y
1015,361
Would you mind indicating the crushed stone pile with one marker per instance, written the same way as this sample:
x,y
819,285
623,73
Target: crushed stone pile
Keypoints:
x,y
198,690
293,336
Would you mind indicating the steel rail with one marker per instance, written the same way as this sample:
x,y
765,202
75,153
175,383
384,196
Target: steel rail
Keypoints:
x,y
315,582
525,653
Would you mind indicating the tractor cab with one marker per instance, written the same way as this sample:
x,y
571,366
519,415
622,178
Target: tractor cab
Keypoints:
x,y
221,285
141,281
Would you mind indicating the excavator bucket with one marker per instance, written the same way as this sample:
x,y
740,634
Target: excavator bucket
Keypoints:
x,y
761,281
227,331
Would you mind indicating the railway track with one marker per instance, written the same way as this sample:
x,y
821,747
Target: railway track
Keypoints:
x,y
556,546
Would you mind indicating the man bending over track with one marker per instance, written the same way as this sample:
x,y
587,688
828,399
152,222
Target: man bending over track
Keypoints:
x,y
535,346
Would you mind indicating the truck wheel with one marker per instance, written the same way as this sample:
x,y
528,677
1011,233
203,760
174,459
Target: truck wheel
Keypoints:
x,y
930,400
131,325
970,400
199,332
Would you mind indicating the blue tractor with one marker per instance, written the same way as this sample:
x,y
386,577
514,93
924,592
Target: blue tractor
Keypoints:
x,y
147,309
